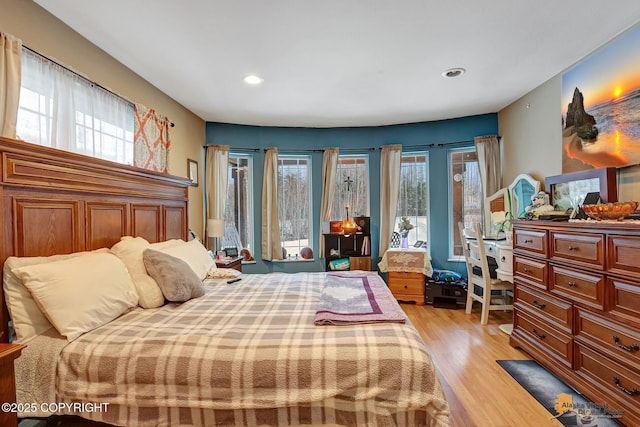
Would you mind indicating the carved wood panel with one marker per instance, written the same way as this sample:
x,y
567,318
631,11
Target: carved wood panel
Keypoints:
x,y
106,222
175,222
46,227
146,222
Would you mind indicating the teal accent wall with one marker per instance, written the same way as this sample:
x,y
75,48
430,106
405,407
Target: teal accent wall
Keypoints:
x,y
305,139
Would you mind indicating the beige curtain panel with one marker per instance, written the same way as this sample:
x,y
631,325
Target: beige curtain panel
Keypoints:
x,y
488,150
217,180
390,159
10,81
271,245
329,167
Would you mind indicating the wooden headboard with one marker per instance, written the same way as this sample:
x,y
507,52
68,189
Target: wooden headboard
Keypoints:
x,y
56,202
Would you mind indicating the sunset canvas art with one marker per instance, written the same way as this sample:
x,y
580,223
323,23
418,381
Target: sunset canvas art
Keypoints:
x,y
601,107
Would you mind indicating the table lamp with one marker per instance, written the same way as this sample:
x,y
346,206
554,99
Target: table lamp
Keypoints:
x,y
215,229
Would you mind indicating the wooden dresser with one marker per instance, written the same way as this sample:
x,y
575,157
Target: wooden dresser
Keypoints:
x,y
577,306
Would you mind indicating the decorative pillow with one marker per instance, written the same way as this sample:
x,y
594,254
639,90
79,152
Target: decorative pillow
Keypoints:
x,y
82,293
129,250
28,321
194,254
176,279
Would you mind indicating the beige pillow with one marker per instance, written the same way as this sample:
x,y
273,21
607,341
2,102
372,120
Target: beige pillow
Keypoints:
x,y
82,293
129,250
194,254
28,321
176,279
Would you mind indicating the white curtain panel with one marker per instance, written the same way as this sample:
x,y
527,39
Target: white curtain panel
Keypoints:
x,y
390,159
329,167
81,115
217,180
271,245
10,81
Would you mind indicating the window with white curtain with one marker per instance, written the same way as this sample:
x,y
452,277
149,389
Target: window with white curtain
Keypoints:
x,y
352,187
413,200
58,108
239,204
294,203
465,195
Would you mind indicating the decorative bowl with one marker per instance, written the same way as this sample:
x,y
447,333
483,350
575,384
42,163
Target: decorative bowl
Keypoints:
x,y
612,211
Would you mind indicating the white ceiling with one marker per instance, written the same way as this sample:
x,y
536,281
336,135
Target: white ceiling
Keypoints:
x,y
334,63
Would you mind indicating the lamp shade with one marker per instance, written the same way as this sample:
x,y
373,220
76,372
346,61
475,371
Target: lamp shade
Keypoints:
x,y
215,227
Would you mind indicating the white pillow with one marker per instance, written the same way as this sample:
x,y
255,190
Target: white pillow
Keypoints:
x,y
82,293
194,254
28,321
129,250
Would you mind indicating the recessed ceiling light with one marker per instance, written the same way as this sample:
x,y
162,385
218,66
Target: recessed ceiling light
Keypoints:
x,y
253,79
453,72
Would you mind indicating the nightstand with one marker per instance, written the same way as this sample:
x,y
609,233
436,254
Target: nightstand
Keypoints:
x,y
235,263
407,270
8,353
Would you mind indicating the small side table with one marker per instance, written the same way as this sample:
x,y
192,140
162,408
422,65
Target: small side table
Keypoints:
x,y
8,353
407,269
235,263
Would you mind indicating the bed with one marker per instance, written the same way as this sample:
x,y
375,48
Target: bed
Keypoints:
x,y
247,353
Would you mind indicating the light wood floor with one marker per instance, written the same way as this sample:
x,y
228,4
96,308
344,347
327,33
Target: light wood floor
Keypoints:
x,y
479,391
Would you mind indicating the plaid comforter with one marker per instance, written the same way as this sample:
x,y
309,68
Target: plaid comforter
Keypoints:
x,y
248,353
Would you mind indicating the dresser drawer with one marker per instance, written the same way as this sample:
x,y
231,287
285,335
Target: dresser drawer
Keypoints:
x,y
616,340
559,345
578,248
401,283
624,255
612,378
530,271
544,305
531,241
584,288
625,299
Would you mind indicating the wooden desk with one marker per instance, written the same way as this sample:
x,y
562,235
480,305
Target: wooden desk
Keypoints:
x,y
8,353
235,263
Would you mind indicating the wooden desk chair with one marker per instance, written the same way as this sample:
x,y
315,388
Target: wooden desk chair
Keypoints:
x,y
475,255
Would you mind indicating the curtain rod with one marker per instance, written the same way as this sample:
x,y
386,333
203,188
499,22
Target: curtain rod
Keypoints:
x,y
83,77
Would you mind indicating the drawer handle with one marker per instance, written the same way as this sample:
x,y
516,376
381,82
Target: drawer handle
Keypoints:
x,y
632,347
526,270
572,248
534,331
631,392
527,241
538,305
503,259
405,286
571,284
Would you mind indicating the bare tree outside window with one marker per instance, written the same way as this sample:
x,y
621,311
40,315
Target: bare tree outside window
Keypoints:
x,y
239,204
294,202
413,201
351,188
465,194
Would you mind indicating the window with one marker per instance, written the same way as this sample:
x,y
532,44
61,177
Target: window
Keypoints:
x,y
413,201
352,187
238,213
61,109
294,203
465,195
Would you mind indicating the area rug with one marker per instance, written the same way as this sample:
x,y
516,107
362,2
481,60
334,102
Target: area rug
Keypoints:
x,y
563,403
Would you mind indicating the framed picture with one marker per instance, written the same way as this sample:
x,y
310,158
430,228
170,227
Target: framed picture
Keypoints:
x,y
418,244
231,252
192,169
